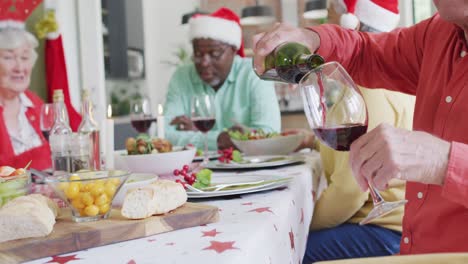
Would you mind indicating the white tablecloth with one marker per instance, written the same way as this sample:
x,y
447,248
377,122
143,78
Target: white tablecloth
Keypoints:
x,y
266,227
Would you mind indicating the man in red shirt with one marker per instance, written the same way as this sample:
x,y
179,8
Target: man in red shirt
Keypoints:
x,y
427,60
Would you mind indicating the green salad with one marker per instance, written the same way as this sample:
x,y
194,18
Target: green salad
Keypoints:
x,y
252,135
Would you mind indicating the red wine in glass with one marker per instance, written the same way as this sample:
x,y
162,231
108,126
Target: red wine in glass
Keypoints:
x,y
341,137
142,125
204,124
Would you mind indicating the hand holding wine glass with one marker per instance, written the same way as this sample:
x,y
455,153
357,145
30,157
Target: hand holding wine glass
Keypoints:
x,y
203,116
47,118
141,115
337,113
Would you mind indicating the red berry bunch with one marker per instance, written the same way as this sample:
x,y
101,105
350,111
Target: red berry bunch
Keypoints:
x,y
226,155
187,178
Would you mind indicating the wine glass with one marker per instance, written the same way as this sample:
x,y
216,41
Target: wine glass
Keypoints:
x,y
203,117
337,113
47,118
141,115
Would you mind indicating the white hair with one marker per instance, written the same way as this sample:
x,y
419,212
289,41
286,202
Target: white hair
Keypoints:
x,y
12,38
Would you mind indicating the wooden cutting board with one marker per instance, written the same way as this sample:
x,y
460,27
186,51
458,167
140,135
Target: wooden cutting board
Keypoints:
x,y
69,236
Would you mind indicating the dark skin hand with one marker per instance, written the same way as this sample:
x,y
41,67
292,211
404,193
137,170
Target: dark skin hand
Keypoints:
x,y
183,123
224,140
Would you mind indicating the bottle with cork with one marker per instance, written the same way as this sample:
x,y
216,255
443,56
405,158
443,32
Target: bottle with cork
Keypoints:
x,y
88,127
59,135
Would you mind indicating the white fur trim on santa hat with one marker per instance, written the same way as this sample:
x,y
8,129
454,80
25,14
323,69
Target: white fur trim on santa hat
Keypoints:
x,y
216,28
11,24
376,16
349,20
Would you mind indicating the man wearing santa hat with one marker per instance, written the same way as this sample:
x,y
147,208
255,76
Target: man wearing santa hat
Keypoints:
x,y
219,69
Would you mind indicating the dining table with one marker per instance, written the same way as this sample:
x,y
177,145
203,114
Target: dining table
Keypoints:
x,y
262,227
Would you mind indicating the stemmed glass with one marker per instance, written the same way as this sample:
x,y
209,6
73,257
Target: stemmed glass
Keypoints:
x,y
203,116
47,118
337,113
141,115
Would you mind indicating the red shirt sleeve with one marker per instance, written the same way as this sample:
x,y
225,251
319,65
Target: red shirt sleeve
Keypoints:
x,y
455,186
391,60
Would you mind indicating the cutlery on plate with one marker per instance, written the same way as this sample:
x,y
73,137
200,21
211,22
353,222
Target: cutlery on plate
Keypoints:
x,y
219,187
258,160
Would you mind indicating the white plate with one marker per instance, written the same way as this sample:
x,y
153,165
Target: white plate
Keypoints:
x,y
211,155
240,178
157,163
284,160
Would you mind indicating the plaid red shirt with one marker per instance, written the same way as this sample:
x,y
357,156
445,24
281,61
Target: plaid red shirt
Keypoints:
x,y
427,60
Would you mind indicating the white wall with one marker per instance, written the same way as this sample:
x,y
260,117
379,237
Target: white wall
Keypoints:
x,y
163,34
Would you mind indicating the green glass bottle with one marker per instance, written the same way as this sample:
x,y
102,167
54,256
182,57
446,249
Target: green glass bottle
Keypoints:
x,y
289,62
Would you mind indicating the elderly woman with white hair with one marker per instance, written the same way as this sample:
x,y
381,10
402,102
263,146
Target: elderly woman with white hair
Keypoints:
x,y
21,139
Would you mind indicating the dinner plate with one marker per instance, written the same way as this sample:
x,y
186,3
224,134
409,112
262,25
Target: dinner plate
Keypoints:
x,y
230,179
265,162
211,155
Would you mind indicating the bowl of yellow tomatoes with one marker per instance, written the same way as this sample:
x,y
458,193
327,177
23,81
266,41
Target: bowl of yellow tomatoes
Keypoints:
x,y
89,194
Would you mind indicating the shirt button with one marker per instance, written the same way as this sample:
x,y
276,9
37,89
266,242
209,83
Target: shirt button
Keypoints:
x,y
406,240
420,195
32,118
463,54
448,99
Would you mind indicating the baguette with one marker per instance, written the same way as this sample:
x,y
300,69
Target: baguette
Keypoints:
x,y
159,197
27,216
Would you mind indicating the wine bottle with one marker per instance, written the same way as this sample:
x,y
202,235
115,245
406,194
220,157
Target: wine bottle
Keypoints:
x,y
59,135
88,127
289,62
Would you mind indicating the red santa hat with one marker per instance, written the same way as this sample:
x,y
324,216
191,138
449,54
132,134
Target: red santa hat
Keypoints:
x,y
382,15
223,25
13,14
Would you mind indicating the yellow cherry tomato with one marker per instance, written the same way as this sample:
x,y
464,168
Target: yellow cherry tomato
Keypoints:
x,y
77,203
115,181
101,199
104,208
91,210
87,198
72,191
97,190
74,177
63,186
88,186
110,189
82,212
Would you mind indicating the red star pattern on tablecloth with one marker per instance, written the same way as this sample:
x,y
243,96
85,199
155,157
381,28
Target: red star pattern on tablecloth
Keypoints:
x,y
302,215
131,262
249,203
211,233
63,260
151,240
220,247
291,239
261,210
313,196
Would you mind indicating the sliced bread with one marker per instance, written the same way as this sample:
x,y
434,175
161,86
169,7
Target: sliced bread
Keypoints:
x,y
26,216
159,197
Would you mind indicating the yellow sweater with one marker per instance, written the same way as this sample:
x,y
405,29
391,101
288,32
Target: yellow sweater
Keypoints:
x,y
343,201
